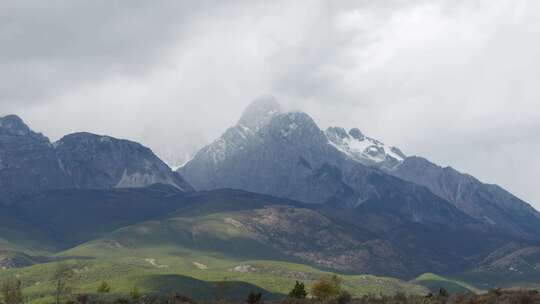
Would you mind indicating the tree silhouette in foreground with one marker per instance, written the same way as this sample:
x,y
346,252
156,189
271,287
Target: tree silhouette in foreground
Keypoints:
x,y
299,291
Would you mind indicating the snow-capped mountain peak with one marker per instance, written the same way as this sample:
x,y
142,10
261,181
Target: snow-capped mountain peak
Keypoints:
x,y
264,117
364,149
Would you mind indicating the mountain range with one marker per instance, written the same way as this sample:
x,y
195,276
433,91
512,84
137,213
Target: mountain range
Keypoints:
x,y
273,187
287,155
30,163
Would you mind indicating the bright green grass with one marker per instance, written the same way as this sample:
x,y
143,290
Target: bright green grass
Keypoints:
x,y
165,274
434,282
273,275
163,269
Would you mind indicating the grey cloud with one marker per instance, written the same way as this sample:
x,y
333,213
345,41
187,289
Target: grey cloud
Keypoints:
x,y
50,45
454,81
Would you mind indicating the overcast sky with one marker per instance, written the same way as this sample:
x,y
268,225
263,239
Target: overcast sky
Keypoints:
x,y
454,81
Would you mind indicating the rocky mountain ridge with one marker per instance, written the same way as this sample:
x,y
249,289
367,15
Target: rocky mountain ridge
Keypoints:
x,y
104,162
287,155
30,163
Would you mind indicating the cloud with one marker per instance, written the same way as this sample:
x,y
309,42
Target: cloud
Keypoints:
x,y
454,81
49,47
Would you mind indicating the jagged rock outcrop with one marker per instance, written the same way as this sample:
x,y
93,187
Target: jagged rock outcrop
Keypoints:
x,y
28,161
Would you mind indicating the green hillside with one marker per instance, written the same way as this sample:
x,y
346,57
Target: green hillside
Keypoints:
x,y
191,256
202,244
213,247
435,282
195,274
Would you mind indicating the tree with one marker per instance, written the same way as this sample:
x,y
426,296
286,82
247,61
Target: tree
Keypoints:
x,y
62,278
104,287
327,288
299,291
254,298
12,292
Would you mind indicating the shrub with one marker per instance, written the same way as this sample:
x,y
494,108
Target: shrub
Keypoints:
x,y
327,288
299,291
12,292
104,287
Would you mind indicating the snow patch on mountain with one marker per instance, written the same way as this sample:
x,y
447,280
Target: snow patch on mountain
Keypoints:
x,y
366,150
187,157
234,139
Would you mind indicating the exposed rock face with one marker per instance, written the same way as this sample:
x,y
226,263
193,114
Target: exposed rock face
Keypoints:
x,y
102,162
488,203
28,161
284,158
287,155
291,157
312,237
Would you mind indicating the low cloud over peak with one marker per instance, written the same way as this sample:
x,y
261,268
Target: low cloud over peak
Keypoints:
x,y
454,81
